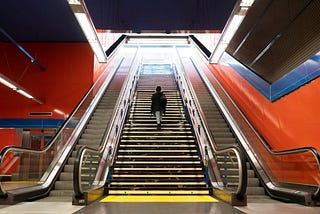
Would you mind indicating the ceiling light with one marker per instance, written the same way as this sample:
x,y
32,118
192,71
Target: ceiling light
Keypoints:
x,y
86,26
246,3
60,112
74,2
7,83
22,92
230,29
83,17
14,86
233,27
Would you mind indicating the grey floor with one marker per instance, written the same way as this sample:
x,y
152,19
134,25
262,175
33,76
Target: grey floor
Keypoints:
x,y
159,208
261,207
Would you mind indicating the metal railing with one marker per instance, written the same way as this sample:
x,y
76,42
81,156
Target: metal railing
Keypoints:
x,y
105,154
206,143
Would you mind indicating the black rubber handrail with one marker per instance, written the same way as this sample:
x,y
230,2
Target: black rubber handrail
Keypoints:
x,y
203,49
115,45
242,189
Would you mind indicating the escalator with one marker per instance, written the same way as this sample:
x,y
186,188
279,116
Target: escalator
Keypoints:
x,y
157,161
86,126
91,136
222,136
228,126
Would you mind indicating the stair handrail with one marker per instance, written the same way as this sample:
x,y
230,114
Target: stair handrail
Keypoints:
x,y
243,139
102,82
192,101
112,136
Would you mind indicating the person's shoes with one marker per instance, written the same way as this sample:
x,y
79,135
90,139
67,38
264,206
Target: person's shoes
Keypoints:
x,y
159,126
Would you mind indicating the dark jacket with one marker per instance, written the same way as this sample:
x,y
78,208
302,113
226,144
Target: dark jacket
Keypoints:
x,y
158,102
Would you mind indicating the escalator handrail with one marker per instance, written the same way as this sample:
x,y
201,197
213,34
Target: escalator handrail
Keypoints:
x,y
77,168
242,166
316,194
230,119
132,78
242,187
84,149
21,149
99,151
203,49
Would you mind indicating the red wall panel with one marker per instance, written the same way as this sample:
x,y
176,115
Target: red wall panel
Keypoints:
x,y
68,75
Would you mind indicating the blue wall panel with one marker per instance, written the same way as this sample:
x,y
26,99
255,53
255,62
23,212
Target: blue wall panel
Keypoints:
x,y
31,123
299,76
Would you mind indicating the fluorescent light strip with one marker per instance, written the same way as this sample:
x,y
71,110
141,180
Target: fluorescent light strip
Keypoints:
x,y
22,92
246,3
233,27
83,18
60,112
74,2
97,49
86,26
7,83
230,29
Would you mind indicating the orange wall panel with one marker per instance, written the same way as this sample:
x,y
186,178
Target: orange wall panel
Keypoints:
x,y
7,137
290,122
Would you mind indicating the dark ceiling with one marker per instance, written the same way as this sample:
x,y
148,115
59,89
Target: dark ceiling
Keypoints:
x,y
53,20
275,37
39,20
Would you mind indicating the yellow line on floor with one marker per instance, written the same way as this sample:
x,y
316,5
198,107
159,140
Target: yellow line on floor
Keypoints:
x,y
159,198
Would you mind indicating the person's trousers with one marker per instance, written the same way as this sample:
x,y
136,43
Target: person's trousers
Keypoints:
x,y
158,117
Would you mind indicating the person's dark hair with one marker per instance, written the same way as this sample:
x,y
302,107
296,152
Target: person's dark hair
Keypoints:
x,y
158,88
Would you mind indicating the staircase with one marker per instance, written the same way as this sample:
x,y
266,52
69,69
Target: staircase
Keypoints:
x,y
157,161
